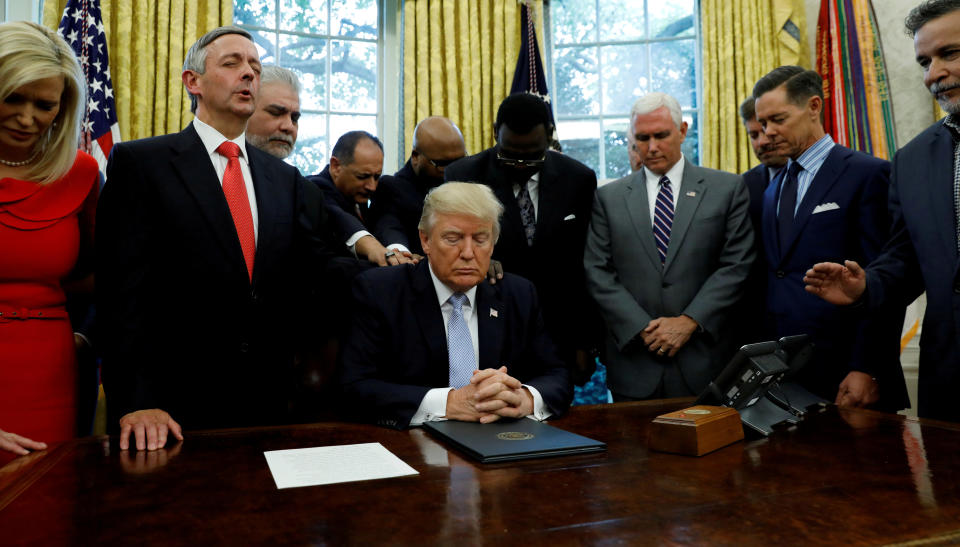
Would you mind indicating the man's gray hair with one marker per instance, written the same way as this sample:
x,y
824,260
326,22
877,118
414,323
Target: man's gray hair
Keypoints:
x,y
461,198
652,101
196,59
273,73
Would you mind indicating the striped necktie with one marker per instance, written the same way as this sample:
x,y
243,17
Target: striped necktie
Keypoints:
x,y
459,344
663,218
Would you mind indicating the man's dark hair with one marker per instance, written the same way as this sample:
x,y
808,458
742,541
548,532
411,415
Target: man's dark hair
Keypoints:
x,y
748,109
522,112
347,144
801,83
928,11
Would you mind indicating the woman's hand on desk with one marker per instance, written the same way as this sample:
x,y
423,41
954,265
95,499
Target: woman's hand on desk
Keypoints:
x,y
21,446
149,427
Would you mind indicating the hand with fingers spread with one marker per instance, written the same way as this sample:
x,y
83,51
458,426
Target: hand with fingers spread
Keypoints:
x,y
149,428
19,445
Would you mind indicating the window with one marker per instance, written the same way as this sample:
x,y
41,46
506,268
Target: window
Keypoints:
x,y
332,45
604,55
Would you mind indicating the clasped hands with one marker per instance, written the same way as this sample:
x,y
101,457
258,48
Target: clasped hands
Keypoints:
x,y
666,335
490,395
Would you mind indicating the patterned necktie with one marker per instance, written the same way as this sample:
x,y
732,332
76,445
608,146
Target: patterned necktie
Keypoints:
x,y
236,193
663,218
459,344
788,205
527,215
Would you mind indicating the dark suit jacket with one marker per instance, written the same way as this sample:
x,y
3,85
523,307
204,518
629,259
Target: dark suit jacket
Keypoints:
x,y
753,305
397,348
855,229
922,255
555,261
183,327
342,210
398,207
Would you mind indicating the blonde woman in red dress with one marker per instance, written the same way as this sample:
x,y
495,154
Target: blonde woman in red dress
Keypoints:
x,y
48,193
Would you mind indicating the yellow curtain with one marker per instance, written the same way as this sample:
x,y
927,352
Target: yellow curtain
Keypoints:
x,y
147,41
742,41
937,111
458,59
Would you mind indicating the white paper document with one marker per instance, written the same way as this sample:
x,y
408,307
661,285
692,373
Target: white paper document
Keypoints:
x,y
332,464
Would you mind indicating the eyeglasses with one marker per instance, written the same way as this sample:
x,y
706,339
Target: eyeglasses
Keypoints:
x,y
439,164
519,162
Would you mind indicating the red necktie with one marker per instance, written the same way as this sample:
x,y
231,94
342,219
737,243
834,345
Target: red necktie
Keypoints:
x,y
236,193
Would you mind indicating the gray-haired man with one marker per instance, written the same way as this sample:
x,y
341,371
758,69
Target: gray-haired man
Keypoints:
x,y
273,125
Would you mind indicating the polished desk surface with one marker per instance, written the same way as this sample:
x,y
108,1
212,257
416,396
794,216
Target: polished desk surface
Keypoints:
x,y
845,477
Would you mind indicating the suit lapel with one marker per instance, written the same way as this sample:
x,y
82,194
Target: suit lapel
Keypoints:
x,y
503,189
490,324
827,176
267,209
685,204
428,315
940,194
548,200
192,164
638,207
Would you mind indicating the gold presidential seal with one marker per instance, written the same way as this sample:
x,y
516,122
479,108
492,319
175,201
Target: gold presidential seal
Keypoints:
x,y
514,436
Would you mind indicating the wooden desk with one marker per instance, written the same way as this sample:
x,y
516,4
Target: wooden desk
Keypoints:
x,y
843,478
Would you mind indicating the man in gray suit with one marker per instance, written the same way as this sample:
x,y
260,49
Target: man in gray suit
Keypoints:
x,y
667,256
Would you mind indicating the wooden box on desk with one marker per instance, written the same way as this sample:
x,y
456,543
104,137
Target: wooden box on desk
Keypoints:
x,y
695,431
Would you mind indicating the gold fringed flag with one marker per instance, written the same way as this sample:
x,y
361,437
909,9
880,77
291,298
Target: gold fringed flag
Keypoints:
x,y
857,108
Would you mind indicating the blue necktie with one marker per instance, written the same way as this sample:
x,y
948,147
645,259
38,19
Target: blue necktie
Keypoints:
x,y
663,218
459,344
788,205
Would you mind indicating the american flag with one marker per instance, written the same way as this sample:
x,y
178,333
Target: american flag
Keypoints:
x,y
82,27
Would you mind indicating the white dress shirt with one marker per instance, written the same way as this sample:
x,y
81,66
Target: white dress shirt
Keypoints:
x,y
433,407
212,139
675,174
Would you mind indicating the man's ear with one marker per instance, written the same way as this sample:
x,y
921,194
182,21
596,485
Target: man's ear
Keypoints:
x,y
190,81
815,105
424,242
335,166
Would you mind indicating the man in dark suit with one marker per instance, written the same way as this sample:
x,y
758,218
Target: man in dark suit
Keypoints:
x,y
757,179
348,183
208,252
667,257
830,204
437,143
547,199
400,369
922,252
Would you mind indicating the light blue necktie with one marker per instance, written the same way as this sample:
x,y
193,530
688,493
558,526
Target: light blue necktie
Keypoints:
x,y
459,344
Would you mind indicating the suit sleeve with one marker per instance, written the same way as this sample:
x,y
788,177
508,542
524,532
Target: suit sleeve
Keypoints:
x,y
551,376
724,287
126,234
364,360
624,317
389,227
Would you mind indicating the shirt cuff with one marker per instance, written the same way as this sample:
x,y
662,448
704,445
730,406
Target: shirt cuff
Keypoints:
x,y
398,247
540,410
352,241
433,407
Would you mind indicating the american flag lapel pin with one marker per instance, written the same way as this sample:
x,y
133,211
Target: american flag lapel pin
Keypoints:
x,y
493,312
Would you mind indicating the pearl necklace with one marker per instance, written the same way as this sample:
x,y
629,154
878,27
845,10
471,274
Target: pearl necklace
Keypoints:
x,y
20,163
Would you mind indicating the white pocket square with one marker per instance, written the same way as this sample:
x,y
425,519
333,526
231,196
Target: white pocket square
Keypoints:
x,y
825,207
569,217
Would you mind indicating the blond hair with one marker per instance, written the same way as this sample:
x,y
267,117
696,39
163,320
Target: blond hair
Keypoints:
x,y
29,52
461,198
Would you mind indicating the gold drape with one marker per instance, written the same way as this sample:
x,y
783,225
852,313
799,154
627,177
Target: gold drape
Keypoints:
x,y
458,59
937,111
742,41
147,41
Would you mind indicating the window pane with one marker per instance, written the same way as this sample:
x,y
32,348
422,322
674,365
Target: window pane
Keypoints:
x,y
257,13
353,77
615,148
266,42
674,71
624,77
308,58
308,16
575,71
354,18
574,21
690,148
671,18
581,141
621,20
310,155
342,124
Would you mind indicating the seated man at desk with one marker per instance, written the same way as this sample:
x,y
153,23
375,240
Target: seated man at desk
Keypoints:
x,y
433,342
